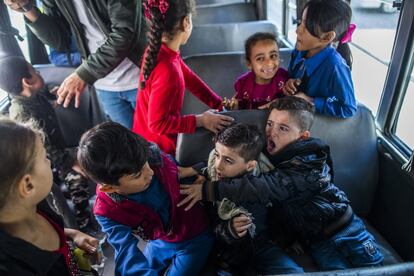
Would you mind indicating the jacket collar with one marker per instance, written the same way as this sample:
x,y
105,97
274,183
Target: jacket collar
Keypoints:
x,y
312,63
169,52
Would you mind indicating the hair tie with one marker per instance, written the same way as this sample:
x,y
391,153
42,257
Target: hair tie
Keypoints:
x,y
162,5
347,37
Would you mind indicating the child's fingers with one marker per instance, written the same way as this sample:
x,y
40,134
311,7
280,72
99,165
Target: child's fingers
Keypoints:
x,y
185,200
242,234
191,204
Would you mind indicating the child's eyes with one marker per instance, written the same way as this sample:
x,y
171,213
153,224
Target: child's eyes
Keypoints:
x,y
269,124
274,57
283,129
229,161
260,59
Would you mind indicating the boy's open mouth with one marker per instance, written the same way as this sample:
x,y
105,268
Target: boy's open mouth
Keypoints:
x,y
270,145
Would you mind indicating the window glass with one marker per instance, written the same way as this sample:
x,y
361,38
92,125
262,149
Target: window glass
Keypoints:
x,y
2,94
17,22
275,13
405,125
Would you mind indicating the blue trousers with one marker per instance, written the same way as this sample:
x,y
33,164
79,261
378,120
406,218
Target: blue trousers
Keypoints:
x,y
182,258
119,105
352,247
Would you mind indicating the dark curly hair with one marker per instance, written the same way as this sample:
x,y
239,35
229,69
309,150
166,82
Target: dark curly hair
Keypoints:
x,y
244,138
178,9
330,15
299,109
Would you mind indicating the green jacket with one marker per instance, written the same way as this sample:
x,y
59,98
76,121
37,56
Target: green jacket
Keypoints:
x,y
121,21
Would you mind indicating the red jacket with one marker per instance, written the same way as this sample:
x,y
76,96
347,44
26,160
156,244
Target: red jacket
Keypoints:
x,y
158,110
183,225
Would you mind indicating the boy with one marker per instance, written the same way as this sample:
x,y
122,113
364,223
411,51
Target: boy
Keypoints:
x,y
243,239
137,195
26,89
302,184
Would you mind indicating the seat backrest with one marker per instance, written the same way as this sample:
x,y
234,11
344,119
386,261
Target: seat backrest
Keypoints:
x,y
73,121
211,38
225,13
206,2
353,144
219,71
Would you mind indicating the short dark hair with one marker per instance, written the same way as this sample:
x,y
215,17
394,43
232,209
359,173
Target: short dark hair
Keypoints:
x,y
253,39
109,151
244,138
299,109
12,70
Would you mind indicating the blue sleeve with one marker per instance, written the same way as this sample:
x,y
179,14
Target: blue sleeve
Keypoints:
x,y
342,104
129,260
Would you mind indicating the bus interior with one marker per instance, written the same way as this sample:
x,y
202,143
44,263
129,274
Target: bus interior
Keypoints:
x,y
371,150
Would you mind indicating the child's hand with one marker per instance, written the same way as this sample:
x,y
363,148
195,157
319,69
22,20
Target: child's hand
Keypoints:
x,y
230,104
240,224
297,248
304,96
85,242
213,121
184,172
193,191
290,87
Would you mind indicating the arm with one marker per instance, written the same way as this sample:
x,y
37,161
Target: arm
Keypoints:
x,y
129,260
163,118
199,88
342,104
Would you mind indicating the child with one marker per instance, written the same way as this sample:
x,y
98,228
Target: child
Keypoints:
x,y
32,238
242,247
319,74
164,77
138,195
266,79
28,101
302,184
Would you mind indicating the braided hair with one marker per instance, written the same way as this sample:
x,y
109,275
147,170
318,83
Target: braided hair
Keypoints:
x,y
163,24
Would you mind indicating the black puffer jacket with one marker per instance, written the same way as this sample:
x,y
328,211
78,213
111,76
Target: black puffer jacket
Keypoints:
x,y
302,184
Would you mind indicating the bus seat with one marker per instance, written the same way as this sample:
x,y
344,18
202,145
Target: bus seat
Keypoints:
x,y
225,37
225,13
73,121
219,71
353,145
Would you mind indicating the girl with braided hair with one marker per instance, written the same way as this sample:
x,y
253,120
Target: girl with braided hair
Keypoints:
x,y
164,77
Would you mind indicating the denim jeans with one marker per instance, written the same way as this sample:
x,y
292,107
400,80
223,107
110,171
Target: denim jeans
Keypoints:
x,y
352,247
119,106
181,258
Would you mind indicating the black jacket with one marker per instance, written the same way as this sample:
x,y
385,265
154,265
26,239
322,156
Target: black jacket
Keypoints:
x,y
302,184
20,258
121,21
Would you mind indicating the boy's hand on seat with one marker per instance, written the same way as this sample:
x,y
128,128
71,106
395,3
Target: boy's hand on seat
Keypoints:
x,y
290,87
184,172
193,191
213,121
240,225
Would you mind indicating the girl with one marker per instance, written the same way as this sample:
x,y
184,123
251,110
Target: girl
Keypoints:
x,y
164,76
320,74
32,238
265,81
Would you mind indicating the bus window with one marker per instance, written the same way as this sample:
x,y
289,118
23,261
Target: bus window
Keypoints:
x,y
17,21
275,13
404,129
371,47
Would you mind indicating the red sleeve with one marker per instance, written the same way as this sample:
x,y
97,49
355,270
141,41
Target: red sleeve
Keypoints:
x,y
163,116
199,88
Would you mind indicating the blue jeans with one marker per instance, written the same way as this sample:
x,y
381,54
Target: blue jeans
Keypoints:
x,y
119,105
352,247
181,258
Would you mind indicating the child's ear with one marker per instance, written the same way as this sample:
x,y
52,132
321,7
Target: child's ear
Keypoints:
x,y
108,188
328,37
25,186
187,23
305,135
251,165
248,64
26,83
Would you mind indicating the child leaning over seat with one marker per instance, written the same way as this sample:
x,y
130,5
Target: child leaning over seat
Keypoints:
x,y
302,184
137,195
266,79
27,91
243,239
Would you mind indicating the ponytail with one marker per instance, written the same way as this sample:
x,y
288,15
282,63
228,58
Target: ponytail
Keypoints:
x,y
344,50
154,37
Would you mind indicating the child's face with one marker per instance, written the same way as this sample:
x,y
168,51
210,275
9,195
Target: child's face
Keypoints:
x,y
35,83
229,163
41,176
306,41
281,131
264,60
131,184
